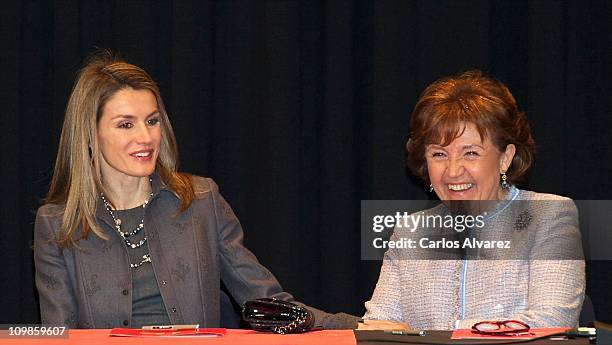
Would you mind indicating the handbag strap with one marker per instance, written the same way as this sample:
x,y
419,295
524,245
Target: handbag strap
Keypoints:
x,y
293,325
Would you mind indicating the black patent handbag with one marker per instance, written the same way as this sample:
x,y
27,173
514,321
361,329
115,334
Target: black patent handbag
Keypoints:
x,y
274,315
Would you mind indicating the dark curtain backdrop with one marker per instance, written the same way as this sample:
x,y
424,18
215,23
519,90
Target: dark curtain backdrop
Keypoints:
x,y
300,109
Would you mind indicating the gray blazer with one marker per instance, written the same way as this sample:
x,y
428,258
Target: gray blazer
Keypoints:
x,y
90,286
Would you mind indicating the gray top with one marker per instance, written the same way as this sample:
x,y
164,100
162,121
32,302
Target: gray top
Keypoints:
x,y
147,304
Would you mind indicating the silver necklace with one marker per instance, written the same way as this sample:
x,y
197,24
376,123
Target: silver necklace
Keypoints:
x,y
145,258
124,235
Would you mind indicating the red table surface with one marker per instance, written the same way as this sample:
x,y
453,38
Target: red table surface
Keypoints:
x,y
233,336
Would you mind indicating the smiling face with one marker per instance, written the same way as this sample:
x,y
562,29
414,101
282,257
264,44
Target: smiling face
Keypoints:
x,y
129,135
468,168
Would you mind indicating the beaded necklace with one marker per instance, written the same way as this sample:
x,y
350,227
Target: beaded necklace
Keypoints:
x,y
126,235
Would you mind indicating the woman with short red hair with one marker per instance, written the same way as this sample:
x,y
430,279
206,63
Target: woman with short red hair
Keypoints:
x,y
469,142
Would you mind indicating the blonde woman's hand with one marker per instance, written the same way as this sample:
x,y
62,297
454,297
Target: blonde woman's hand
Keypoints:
x,y
381,325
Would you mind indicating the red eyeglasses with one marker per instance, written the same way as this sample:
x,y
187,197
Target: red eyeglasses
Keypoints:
x,y
507,327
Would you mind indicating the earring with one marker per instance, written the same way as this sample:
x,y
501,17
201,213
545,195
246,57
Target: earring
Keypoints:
x,y
504,180
430,187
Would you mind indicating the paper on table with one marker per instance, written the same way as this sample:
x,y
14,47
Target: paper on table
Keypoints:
x,y
533,333
198,332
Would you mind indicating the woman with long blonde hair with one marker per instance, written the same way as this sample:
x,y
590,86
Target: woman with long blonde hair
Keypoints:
x,y
124,239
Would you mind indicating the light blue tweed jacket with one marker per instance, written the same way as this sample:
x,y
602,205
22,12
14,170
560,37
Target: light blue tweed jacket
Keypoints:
x,y
542,291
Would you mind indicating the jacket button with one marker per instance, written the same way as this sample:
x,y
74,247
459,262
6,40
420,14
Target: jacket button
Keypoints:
x,y
173,310
125,292
164,282
126,322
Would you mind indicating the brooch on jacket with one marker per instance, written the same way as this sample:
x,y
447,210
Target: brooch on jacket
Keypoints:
x,y
523,220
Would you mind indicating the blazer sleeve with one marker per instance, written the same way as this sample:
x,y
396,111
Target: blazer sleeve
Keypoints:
x,y
58,305
385,302
245,277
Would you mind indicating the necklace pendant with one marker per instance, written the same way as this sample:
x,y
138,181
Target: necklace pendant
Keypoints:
x,y
145,258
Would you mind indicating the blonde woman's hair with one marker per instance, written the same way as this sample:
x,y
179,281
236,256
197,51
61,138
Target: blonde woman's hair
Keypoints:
x,y
77,179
